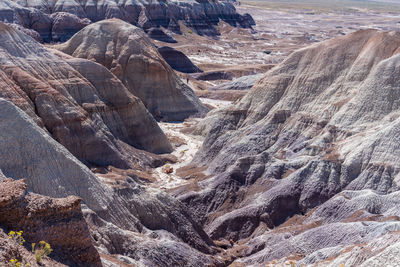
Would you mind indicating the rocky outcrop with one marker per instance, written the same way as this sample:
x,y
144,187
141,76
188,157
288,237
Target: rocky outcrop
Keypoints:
x,y
242,83
80,103
178,60
306,131
127,52
59,222
58,20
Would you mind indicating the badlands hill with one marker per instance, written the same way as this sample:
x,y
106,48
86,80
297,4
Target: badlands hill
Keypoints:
x,y
310,152
123,217
304,167
59,115
58,20
79,102
127,52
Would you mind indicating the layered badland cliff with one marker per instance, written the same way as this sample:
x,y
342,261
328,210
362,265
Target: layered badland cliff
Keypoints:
x,y
59,20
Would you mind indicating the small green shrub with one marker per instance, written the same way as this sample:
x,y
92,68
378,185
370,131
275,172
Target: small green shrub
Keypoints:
x,y
42,249
14,263
17,237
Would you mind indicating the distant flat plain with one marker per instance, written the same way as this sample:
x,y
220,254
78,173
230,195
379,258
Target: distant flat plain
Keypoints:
x,y
326,5
286,25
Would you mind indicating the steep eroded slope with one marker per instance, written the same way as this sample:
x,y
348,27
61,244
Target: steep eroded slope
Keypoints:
x,y
324,120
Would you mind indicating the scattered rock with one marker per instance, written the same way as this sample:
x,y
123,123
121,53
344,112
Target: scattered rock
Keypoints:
x,y
168,169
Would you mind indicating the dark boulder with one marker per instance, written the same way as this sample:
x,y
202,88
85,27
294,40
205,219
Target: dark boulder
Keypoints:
x,y
247,17
214,75
178,60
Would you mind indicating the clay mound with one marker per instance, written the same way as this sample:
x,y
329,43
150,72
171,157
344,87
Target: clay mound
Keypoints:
x,y
322,121
128,53
84,107
59,222
159,35
201,17
178,60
